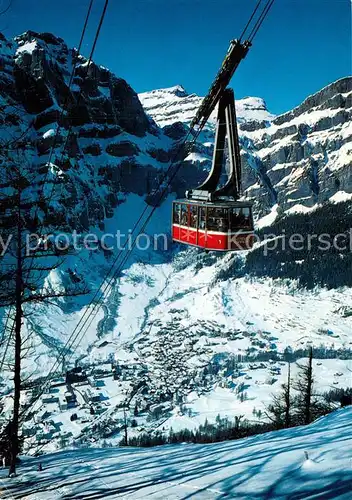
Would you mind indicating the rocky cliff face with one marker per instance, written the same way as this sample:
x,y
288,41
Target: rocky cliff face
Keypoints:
x,y
93,128
305,156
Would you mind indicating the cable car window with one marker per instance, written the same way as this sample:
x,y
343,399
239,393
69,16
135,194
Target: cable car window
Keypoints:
x,y
211,219
241,218
236,218
202,217
176,214
184,214
218,219
247,217
193,215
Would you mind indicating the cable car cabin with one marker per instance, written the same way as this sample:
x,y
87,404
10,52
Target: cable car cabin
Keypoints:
x,y
212,217
213,226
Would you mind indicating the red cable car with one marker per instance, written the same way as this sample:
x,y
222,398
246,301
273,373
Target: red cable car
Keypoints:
x,y
222,225
210,217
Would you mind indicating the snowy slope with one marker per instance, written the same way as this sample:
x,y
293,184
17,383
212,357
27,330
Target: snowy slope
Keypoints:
x,y
174,319
268,466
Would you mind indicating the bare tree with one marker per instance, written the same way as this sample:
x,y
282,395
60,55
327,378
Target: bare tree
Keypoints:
x,y
304,401
280,410
23,275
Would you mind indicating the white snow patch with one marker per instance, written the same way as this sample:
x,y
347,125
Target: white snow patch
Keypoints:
x,y
300,209
27,47
340,196
49,133
268,219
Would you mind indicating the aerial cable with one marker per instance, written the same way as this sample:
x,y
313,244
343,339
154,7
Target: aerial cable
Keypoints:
x,y
100,292
62,112
170,177
59,120
71,80
250,19
89,61
263,18
131,248
260,21
48,163
64,105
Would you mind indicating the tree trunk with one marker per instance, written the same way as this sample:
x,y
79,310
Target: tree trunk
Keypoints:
x,y
17,368
288,399
125,426
307,409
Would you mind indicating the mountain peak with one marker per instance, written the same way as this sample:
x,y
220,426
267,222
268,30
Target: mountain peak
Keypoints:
x,y
253,108
172,104
176,90
30,36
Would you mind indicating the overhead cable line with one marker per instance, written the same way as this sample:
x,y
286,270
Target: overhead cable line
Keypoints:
x,y
48,163
250,19
88,63
260,20
58,128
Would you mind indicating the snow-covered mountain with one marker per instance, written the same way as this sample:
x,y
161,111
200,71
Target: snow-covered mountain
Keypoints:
x,y
170,313
300,158
174,104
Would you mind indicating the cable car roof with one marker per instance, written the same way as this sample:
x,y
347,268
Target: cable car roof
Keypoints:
x,y
217,203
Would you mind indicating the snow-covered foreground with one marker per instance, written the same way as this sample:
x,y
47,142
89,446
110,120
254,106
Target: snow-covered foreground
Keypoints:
x,y
270,466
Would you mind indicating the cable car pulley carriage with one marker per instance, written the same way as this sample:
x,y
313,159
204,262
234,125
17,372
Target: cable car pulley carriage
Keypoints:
x,y
213,217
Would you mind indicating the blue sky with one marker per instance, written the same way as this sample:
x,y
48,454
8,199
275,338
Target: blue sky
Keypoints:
x,y
302,46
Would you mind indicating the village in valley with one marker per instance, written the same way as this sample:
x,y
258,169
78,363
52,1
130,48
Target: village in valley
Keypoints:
x,y
171,379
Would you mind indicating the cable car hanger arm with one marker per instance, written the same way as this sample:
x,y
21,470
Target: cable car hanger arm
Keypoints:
x,y
236,52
